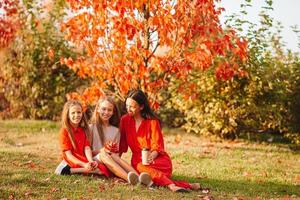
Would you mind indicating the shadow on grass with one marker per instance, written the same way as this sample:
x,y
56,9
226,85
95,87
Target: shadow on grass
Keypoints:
x,y
247,188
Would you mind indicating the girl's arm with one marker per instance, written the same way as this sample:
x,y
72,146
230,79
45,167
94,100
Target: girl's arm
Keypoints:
x,y
73,159
88,153
95,152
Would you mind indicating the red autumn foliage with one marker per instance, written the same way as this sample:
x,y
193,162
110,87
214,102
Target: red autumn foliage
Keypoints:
x,y
8,23
142,44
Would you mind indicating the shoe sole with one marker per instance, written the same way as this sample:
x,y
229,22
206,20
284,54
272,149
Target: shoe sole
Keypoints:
x,y
145,179
133,178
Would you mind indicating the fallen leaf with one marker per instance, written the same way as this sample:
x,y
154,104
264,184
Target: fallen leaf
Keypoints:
x,y
54,189
26,163
177,139
247,174
102,188
11,197
297,178
264,174
205,190
287,197
20,144
28,193
207,198
238,198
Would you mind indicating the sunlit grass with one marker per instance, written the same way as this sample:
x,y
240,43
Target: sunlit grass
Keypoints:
x,y
29,153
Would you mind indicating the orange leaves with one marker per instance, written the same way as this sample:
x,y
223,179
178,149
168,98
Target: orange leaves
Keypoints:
x,y
224,72
51,53
121,39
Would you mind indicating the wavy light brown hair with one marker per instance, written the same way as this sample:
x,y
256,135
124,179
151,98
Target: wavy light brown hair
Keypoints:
x,y
66,121
114,120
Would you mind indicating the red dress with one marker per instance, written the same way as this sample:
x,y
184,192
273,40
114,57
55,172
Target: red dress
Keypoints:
x,y
148,135
81,142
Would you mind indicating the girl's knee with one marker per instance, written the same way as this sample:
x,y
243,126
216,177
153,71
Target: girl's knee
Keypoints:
x,y
104,156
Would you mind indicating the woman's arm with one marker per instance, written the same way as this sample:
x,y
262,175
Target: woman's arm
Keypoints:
x,y
156,141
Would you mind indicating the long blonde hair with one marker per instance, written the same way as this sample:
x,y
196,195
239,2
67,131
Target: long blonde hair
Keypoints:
x,y
66,121
114,120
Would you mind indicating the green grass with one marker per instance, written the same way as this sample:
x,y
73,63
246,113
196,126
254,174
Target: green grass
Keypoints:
x,y
29,153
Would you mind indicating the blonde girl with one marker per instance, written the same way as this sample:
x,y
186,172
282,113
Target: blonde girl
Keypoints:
x,y
106,138
74,139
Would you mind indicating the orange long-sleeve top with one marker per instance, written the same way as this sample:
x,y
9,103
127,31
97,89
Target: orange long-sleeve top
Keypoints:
x,y
81,142
148,135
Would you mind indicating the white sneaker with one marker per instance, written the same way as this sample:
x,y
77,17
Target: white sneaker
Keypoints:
x,y
132,178
145,179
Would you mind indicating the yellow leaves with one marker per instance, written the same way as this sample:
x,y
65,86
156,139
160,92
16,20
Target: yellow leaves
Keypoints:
x,y
51,53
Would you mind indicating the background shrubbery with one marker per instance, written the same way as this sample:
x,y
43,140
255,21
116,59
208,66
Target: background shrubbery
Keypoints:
x,y
265,99
33,82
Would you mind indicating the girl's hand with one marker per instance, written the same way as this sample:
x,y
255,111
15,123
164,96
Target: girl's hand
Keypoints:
x,y
152,156
94,165
111,147
87,166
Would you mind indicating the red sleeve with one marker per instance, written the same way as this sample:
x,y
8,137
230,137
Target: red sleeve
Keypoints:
x,y
157,141
64,140
123,146
87,143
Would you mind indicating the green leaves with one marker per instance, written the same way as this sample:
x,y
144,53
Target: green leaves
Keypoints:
x,y
33,81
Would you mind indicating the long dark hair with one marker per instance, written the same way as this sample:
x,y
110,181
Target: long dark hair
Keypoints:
x,y
140,97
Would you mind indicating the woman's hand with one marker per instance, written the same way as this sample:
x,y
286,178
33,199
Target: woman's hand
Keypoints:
x,y
152,156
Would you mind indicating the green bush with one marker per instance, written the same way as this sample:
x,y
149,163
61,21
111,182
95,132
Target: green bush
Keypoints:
x,y
265,100
33,81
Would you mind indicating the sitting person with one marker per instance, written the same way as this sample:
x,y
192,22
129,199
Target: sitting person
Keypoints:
x,y
106,138
140,128
75,144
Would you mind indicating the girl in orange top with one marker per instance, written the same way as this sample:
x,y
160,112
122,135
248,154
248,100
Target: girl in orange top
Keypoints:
x,y
74,142
139,129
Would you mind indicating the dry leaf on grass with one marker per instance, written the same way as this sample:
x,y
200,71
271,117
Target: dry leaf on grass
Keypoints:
x,y
11,197
298,179
102,188
54,190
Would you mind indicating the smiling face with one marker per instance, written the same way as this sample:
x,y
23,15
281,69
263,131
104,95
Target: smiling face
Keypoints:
x,y
75,115
133,108
105,110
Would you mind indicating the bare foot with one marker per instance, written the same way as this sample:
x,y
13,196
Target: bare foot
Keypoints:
x,y
175,188
96,171
195,186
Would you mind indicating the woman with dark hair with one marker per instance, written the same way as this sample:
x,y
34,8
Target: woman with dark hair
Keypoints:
x,y
140,128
